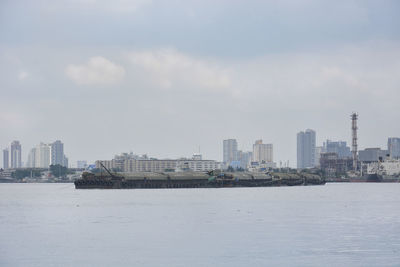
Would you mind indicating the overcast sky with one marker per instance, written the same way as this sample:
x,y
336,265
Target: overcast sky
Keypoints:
x,y
167,77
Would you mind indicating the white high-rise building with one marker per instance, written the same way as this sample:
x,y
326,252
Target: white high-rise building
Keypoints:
x,y
262,152
31,163
43,156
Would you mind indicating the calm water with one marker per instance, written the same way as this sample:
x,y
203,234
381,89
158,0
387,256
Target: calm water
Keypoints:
x,y
331,225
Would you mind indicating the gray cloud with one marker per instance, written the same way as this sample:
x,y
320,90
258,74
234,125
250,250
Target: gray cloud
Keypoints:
x,y
166,79
97,71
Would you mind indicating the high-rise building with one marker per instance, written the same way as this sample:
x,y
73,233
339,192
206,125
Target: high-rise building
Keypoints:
x,y
16,155
6,159
43,156
65,161
57,153
230,151
31,163
394,147
318,151
338,147
244,158
262,152
306,149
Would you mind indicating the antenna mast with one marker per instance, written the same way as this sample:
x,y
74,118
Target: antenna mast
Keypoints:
x,y
354,128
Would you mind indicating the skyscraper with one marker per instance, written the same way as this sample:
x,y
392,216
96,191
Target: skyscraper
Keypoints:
x,y
230,151
6,160
16,154
394,147
262,152
57,153
306,149
43,156
31,162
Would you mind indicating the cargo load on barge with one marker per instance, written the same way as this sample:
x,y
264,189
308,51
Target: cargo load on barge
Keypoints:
x,y
212,179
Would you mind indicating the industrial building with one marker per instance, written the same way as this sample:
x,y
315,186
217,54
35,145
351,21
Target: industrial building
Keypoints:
x,y
333,166
369,155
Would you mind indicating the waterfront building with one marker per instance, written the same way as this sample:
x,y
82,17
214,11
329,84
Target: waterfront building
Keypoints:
x,y
230,151
372,155
6,159
338,147
133,164
394,147
16,152
42,156
57,153
196,165
256,166
262,152
306,149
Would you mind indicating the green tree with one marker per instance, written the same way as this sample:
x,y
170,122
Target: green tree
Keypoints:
x,y
58,170
24,173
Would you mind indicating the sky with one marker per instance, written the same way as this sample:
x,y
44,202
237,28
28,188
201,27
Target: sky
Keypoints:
x,y
171,78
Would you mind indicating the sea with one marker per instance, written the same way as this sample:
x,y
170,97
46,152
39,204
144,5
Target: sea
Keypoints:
x,y
337,224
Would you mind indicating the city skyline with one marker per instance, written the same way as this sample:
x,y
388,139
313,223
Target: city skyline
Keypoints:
x,y
340,147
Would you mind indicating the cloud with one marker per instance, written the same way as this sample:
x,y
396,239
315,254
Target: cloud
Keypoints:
x,y
116,6
97,71
22,75
171,69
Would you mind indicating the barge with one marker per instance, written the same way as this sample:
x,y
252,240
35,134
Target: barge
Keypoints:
x,y
211,179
